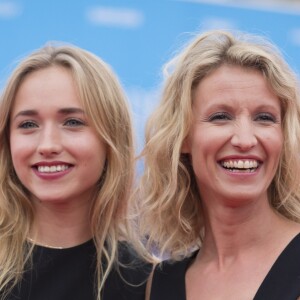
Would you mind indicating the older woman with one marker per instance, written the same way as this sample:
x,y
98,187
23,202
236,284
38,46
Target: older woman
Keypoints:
x,y
221,192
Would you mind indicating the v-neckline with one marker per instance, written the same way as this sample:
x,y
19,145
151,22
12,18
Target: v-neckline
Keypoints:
x,y
276,263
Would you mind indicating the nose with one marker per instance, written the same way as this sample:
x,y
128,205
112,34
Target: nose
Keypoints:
x,y
244,136
50,142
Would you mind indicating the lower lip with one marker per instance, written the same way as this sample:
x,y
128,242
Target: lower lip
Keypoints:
x,y
52,176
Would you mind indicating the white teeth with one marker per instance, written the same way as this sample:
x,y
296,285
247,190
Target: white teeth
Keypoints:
x,y
240,164
52,169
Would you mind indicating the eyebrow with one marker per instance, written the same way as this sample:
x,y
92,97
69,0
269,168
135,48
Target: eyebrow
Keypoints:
x,y
70,110
229,106
62,111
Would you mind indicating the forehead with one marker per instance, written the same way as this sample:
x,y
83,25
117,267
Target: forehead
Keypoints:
x,y
49,87
234,85
232,76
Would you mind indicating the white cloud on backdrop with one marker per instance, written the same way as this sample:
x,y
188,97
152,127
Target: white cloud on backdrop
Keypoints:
x,y
217,23
116,17
9,9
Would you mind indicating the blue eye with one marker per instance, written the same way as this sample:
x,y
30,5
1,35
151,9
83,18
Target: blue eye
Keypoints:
x,y
74,123
28,125
265,118
220,116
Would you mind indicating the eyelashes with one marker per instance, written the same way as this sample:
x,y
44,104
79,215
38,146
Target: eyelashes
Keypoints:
x,y
28,125
219,116
262,117
74,122
266,117
71,122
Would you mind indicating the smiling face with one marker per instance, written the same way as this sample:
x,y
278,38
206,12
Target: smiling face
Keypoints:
x,y
56,153
236,138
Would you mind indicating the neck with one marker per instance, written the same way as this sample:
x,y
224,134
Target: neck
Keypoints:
x,y
230,231
60,225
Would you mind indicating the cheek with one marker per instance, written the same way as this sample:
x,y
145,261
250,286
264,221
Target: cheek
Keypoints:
x,y
203,145
17,150
202,155
274,143
20,161
93,155
20,148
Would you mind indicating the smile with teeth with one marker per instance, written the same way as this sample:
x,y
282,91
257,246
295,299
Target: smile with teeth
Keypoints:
x,y
52,169
240,165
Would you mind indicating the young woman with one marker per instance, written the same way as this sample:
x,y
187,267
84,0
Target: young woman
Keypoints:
x,y
66,162
221,193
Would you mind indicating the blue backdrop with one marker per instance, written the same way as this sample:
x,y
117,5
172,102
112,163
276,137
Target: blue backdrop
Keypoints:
x,y
136,37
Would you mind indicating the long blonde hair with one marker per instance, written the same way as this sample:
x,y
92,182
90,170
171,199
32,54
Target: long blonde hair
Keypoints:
x,y
170,210
105,105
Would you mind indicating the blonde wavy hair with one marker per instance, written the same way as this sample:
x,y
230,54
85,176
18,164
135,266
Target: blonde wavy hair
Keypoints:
x,y
170,205
105,105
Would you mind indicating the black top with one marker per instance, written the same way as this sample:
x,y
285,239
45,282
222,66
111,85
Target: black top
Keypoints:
x,y
69,274
282,281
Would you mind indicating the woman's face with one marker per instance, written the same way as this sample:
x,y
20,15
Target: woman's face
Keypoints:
x,y
56,153
236,138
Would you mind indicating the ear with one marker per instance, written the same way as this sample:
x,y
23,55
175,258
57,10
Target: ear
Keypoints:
x,y
185,147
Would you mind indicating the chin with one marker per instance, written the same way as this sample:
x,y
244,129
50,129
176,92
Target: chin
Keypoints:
x,y
238,199
53,199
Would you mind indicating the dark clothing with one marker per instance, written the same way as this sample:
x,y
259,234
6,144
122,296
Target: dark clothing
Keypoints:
x,y
70,274
281,283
